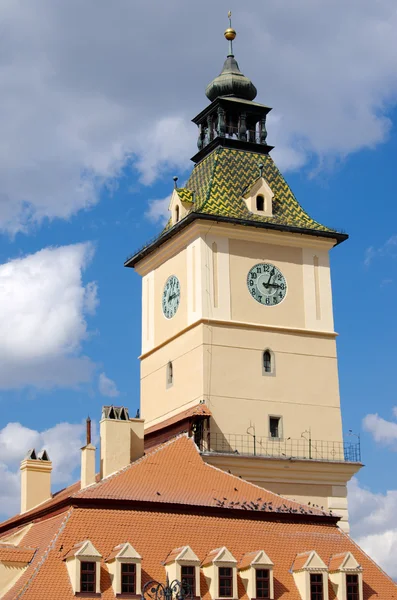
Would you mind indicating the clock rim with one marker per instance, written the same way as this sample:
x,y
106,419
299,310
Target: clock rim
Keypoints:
x,y
280,271
179,297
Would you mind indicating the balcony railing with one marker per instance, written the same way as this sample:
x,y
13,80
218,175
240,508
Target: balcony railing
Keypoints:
x,y
302,448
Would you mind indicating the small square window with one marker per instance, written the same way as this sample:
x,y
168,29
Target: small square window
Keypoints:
x,y
275,427
128,578
225,582
88,577
316,586
262,583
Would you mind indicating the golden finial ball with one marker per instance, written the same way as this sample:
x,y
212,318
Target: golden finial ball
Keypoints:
x,y
230,34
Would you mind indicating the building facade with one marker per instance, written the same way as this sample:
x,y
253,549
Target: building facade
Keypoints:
x,y
237,312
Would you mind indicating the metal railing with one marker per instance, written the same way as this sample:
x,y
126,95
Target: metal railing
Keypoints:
x,y
302,448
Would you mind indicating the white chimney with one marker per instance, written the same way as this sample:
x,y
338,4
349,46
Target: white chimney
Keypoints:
x,y
35,479
121,439
88,459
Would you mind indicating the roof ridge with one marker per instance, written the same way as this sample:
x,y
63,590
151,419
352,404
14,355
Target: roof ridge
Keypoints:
x,y
45,554
150,452
366,555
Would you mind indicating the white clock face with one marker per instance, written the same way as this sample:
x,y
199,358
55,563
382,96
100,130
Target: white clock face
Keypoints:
x,y
266,284
171,296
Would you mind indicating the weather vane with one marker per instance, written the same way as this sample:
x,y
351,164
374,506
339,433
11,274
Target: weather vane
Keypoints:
x,y
230,34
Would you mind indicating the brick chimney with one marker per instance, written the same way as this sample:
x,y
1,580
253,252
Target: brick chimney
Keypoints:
x,y
88,459
121,439
35,479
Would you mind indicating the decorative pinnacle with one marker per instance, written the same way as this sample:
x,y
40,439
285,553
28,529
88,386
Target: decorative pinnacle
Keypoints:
x,y
230,34
175,180
260,169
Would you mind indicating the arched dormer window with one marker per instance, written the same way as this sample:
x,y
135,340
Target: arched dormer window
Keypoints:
x,y
267,361
176,214
260,203
170,374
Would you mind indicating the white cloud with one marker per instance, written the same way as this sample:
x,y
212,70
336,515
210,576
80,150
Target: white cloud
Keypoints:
x,y
158,210
383,431
43,307
82,97
373,520
107,387
63,443
389,248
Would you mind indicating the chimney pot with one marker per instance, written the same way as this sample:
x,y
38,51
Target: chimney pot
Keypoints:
x,y
121,439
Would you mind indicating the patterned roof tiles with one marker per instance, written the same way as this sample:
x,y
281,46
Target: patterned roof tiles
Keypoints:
x,y
220,181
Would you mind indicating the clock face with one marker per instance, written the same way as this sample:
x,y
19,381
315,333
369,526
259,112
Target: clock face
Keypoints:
x,y
171,296
266,284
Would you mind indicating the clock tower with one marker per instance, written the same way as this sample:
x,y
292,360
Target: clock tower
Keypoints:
x,y
238,336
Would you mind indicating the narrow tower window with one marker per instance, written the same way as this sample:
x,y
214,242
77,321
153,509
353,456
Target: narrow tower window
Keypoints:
x,y
176,214
267,361
170,374
260,203
275,427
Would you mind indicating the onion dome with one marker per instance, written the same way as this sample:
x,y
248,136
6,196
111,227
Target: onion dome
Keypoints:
x,y
231,81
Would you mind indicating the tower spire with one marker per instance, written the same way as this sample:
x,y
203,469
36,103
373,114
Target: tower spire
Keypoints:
x,y
230,34
231,82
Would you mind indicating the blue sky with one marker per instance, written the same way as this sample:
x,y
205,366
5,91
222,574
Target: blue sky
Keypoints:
x,y
95,117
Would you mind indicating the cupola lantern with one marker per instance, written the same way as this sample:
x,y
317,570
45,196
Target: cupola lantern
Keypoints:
x,y
232,119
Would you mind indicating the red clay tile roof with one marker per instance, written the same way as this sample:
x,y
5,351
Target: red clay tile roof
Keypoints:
x,y
300,560
198,410
9,553
173,555
247,559
175,473
154,534
43,536
336,561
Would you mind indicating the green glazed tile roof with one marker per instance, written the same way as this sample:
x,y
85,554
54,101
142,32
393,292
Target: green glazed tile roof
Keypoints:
x,y
218,183
185,195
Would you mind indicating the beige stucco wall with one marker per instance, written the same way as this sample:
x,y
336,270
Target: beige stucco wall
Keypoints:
x,y
9,574
216,341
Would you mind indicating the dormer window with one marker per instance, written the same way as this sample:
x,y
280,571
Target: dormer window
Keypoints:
x,y
256,573
87,577
259,198
225,582
83,563
220,571
176,214
311,576
124,565
346,577
183,564
260,203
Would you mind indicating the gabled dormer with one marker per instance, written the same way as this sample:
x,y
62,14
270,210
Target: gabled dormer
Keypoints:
x,y
310,575
83,562
256,573
183,564
181,203
124,565
13,563
220,571
346,576
259,197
